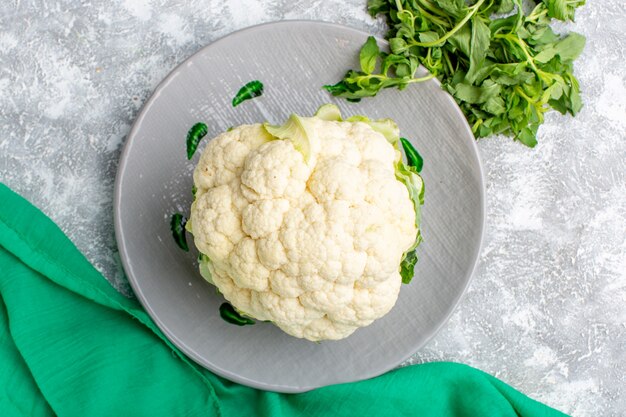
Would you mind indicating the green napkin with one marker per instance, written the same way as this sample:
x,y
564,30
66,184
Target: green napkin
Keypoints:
x,y
70,345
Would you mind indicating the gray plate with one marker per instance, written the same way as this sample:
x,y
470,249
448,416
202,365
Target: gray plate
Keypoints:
x,y
293,59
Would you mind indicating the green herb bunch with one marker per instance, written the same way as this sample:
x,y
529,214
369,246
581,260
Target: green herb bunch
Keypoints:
x,y
504,72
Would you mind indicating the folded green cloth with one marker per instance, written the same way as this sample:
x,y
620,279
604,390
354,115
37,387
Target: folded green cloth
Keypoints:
x,y
70,345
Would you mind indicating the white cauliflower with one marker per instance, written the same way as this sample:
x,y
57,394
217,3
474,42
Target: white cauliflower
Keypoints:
x,y
305,225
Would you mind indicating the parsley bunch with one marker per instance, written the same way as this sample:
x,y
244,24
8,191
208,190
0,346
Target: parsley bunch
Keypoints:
x,y
504,72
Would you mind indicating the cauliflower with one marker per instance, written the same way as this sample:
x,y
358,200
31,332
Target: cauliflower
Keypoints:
x,y
305,225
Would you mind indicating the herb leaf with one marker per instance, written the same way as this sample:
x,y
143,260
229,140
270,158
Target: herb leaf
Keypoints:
x,y
230,315
251,90
504,72
194,136
479,45
368,56
177,225
562,9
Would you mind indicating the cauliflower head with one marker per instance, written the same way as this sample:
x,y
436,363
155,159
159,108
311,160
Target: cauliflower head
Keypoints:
x,y
305,225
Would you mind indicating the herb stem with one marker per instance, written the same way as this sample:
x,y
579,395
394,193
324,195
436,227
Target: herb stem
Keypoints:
x,y
477,125
514,39
448,62
521,92
454,30
434,9
421,79
410,81
435,19
534,15
538,105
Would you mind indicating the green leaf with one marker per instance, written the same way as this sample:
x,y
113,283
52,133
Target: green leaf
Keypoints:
x,y
495,105
429,36
575,101
230,315
411,179
479,46
559,105
461,40
375,7
407,267
368,56
455,8
295,131
403,69
329,112
336,89
554,92
413,157
527,137
543,35
393,60
505,7
475,95
409,176
570,47
562,9
511,74
387,127
205,268
557,8
504,24
177,226
251,90
398,45
194,136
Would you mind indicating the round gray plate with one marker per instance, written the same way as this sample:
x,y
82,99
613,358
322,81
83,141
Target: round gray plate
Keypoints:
x,y
293,59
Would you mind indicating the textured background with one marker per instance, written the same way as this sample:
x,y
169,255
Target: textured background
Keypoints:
x,y
546,309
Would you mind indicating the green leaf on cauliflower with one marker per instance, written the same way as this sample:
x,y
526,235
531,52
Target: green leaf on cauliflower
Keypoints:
x,y
409,176
329,112
204,266
230,315
387,127
177,225
407,266
293,130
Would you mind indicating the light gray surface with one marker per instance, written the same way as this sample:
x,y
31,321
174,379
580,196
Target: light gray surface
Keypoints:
x,y
545,310
293,59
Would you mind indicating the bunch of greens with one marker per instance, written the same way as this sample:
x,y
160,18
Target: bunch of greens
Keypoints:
x,y
504,72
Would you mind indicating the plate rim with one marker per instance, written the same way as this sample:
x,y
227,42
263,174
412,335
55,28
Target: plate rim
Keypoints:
x,y
180,344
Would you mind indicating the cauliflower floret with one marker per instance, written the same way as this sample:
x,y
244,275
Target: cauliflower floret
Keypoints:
x,y
311,242
223,161
274,170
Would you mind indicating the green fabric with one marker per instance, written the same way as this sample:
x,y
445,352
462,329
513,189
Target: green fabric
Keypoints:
x,y
70,345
